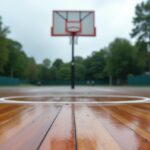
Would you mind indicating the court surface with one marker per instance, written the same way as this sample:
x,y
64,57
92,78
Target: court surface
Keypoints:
x,y
90,118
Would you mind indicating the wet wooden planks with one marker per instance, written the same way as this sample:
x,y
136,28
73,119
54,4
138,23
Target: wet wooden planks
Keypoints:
x,y
116,127
52,127
126,128
61,136
90,133
24,126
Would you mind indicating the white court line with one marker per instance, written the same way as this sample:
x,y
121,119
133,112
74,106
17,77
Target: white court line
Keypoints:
x,y
8,99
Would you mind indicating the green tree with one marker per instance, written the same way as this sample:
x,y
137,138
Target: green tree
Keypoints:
x,y
54,70
79,60
141,22
143,56
57,63
54,73
4,30
80,71
13,54
44,70
17,64
32,69
3,54
80,68
141,30
39,71
64,72
122,60
95,65
46,63
3,46
21,69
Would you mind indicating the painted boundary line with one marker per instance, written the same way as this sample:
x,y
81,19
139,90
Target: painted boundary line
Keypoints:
x,y
137,99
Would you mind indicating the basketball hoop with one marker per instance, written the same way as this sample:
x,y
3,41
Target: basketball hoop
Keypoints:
x,y
73,27
73,24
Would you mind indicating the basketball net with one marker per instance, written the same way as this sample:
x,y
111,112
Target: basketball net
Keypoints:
x,y
75,39
73,28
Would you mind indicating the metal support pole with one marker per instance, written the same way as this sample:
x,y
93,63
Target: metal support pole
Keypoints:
x,y
73,65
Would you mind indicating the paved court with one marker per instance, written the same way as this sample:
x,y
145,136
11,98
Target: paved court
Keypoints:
x,y
69,126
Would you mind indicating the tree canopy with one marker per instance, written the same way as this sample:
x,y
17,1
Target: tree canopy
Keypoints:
x,y
141,22
4,30
122,59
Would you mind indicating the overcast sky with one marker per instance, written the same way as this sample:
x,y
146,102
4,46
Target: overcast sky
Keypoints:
x,y
30,22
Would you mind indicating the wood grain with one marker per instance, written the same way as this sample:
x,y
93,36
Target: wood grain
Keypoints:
x,y
90,133
61,135
27,129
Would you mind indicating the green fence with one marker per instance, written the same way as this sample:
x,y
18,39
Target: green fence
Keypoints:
x,y
9,81
139,80
16,81
68,82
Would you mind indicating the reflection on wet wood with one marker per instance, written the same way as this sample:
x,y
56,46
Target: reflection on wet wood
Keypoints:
x,y
52,127
127,130
91,135
27,127
61,134
98,127
129,121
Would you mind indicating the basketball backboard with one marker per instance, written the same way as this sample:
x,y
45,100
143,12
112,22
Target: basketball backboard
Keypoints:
x,y
80,23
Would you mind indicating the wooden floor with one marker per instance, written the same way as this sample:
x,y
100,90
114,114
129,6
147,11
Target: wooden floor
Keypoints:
x,y
74,127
